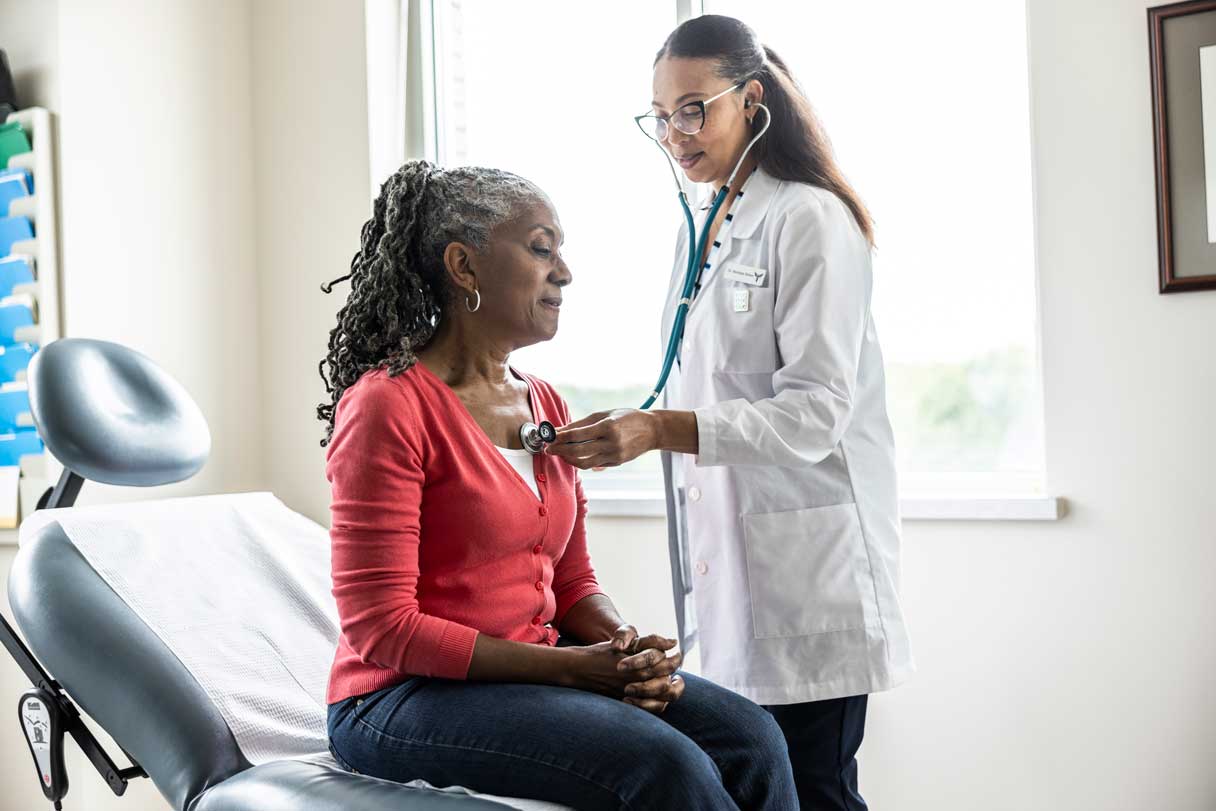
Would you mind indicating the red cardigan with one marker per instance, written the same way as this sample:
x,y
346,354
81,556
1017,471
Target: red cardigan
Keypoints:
x,y
436,538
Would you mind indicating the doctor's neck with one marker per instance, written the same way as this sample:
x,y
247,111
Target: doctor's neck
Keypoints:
x,y
745,171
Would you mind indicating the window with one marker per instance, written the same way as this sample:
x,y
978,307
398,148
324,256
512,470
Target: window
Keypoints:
x,y
548,90
930,121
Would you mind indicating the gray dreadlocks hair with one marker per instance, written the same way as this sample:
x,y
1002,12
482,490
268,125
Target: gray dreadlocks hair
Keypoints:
x,y
399,288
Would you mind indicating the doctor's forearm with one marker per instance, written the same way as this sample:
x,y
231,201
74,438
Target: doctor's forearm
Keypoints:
x,y
676,431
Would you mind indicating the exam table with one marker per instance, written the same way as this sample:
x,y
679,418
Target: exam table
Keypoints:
x,y
108,414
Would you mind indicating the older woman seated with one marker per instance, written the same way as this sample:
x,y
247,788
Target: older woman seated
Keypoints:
x,y
477,648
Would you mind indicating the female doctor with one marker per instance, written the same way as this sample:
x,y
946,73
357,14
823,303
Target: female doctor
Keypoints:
x,y
782,505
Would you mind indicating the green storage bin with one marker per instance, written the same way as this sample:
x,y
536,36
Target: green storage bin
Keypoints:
x,y
13,141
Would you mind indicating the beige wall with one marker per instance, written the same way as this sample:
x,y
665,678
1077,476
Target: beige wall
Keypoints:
x,y
1062,665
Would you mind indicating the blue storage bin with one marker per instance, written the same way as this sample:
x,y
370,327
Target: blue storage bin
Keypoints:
x,y
13,229
17,444
14,270
14,360
15,408
14,184
12,318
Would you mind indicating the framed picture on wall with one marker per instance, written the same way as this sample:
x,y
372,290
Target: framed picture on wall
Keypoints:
x,y
1182,56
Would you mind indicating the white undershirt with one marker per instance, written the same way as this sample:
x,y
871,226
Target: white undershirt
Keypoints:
x,y
521,460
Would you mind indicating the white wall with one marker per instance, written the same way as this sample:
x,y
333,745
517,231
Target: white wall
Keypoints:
x,y
30,37
311,159
154,102
1062,665
158,204
1070,665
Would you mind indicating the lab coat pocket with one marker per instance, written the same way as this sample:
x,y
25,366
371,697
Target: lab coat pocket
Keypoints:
x,y
807,571
743,337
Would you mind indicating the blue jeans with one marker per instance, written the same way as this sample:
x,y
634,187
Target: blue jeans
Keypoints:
x,y
711,749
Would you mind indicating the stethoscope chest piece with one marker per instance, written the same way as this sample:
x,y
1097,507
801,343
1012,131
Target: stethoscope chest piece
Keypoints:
x,y
534,437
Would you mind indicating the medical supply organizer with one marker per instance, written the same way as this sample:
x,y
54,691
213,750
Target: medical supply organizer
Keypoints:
x,y
29,297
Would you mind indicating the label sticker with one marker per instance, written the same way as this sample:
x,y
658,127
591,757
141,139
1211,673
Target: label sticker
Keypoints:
x,y
743,300
746,274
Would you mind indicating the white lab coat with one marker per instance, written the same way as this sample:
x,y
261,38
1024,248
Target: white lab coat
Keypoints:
x,y
785,527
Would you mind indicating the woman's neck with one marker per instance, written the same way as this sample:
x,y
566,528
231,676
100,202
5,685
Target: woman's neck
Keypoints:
x,y
462,356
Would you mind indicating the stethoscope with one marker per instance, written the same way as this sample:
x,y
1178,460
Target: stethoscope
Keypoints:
x,y
692,274
535,437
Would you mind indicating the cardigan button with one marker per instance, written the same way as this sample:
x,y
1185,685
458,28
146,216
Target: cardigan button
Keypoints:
x,y
541,477
536,620
540,586
543,510
536,550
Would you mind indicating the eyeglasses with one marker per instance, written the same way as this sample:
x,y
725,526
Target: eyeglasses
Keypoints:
x,y
688,119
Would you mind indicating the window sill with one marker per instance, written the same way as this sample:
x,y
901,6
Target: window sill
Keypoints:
x,y
643,504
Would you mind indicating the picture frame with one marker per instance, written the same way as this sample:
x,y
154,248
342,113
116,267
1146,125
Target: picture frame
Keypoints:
x,y
1182,61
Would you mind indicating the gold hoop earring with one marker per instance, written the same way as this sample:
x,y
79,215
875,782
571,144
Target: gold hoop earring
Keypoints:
x,y
474,308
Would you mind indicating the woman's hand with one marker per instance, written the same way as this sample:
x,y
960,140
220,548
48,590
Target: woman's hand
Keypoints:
x,y
637,671
594,668
625,639
656,682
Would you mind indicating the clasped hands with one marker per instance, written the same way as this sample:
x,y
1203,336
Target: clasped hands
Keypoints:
x,y
640,670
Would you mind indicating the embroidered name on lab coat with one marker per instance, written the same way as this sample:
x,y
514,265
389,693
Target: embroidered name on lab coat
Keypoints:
x,y
746,274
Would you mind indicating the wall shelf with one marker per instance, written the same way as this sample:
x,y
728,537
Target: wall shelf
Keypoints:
x,y
41,209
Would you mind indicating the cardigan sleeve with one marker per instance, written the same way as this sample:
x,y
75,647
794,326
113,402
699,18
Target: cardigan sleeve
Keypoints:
x,y
375,468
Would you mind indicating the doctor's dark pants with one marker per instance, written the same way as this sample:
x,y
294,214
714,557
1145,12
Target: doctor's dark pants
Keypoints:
x,y
823,738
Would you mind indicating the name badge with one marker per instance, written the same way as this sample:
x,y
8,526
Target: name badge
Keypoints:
x,y
746,274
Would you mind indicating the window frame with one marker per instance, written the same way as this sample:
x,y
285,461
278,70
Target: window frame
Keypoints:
x,y
625,494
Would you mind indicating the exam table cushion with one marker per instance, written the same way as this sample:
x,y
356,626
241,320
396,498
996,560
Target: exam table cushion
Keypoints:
x,y
124,676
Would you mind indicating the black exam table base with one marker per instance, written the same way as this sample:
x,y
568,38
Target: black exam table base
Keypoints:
x,y
62,713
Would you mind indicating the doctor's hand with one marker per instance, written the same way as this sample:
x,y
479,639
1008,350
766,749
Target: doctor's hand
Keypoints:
x,y
611,438
606,438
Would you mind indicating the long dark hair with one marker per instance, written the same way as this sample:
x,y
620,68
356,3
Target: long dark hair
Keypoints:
x,y
796,147
398,286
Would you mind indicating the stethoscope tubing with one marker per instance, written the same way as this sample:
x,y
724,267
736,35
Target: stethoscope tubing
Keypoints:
x,y
696,255
534,437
